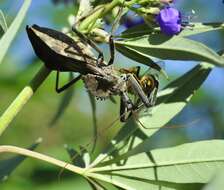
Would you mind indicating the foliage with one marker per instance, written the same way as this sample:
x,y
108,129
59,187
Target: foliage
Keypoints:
x,y
128,161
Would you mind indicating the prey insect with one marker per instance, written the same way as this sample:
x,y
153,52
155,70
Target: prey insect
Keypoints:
x,y
62,53
143,87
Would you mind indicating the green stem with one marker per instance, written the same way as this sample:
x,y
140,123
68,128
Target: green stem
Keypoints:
x,y
98,14
22,99
39,156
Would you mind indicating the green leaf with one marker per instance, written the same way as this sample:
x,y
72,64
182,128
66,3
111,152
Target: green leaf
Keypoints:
x,y
199,28
8,37
173,48
216,183
9,165
173,98
3,23
101,185
64,103
95,185
188,163
129,183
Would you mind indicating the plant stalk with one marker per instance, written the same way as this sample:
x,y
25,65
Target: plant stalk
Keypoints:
x,y
22,99
90,20
39,156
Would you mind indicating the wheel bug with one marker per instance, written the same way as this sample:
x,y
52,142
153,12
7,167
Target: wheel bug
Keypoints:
x,y
61,53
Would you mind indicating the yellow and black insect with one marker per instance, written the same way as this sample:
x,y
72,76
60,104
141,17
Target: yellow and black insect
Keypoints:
x,y
143,87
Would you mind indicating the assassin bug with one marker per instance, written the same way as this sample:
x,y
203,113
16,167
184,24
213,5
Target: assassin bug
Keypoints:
x,y
61,53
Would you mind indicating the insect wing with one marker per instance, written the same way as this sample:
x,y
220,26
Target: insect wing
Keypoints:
x,y
51,45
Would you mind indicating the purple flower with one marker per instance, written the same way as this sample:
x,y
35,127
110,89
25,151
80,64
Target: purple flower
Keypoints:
x,y
169,20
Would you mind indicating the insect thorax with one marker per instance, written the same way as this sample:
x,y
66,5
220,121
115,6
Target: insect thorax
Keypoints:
x,y
105,85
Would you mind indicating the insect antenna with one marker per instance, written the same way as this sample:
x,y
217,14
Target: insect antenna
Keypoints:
x,y
134,114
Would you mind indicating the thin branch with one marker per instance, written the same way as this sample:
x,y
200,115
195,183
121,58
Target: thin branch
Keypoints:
x,y
39,156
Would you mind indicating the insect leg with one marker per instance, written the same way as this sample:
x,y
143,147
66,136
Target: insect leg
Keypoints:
x,y
153,96
138,89
126,105
137,71
111,41
84,39
60,89
112,50
123,110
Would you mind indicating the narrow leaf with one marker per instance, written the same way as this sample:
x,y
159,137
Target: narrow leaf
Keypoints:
x,y
101,185
9,165
95,185
8,37
173,48
199,28
3,23
196,28
132,183
194,162
173,98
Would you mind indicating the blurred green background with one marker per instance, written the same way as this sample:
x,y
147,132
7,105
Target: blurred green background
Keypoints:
x,y
202,119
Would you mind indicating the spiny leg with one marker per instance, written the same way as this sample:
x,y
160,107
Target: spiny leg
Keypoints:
x,y
153,96
126,105
123,110
61,89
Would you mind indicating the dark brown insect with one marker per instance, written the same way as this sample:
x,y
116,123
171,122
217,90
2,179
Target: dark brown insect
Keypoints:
x,y
61,53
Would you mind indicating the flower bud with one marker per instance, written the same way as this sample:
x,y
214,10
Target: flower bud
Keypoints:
x,y
169,20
